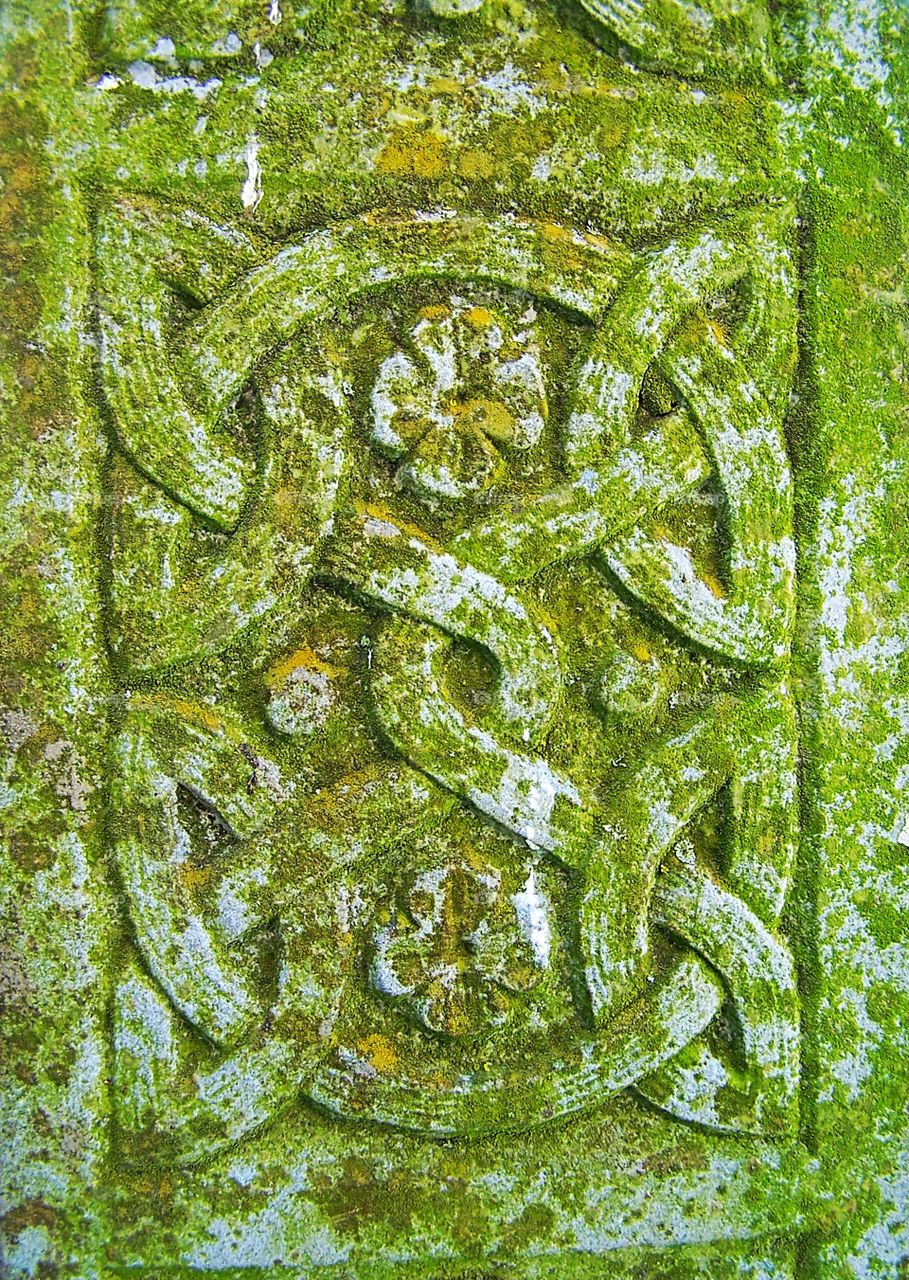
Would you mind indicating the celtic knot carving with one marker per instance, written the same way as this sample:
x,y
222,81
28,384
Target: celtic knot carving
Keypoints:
x,y
288,910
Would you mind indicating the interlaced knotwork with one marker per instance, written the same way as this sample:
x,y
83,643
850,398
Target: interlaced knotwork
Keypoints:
x,y
227,537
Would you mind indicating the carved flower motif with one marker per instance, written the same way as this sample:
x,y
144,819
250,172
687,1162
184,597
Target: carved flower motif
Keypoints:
x,y
458,944
467,384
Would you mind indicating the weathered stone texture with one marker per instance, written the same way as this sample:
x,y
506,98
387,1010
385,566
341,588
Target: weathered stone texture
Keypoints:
x,y
454,676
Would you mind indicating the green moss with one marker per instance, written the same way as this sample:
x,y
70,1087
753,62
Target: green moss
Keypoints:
x,y
314,703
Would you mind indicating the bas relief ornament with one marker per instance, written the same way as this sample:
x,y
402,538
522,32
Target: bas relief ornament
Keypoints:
x,y
477,419
458,478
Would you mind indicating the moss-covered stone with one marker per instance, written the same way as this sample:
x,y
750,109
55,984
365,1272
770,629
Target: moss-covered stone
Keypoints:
x,y
453,685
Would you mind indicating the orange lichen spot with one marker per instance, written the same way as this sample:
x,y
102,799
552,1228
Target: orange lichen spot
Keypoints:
x,y
380,1052
155,1187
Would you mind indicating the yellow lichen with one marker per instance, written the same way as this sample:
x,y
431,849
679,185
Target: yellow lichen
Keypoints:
x,y
196,879
413,153
475,164
376,511
380,1052
182,707
436,311
479,317
302,657
719,332
713,582
491,415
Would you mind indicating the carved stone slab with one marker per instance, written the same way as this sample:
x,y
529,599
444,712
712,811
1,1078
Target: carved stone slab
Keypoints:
x,y
454,691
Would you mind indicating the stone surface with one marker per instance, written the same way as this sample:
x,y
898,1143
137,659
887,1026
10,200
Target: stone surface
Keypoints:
x,y
454,686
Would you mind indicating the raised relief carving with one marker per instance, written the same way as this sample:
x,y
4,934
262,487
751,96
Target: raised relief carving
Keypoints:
x,y
484,529
464,386
457,943
688,37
